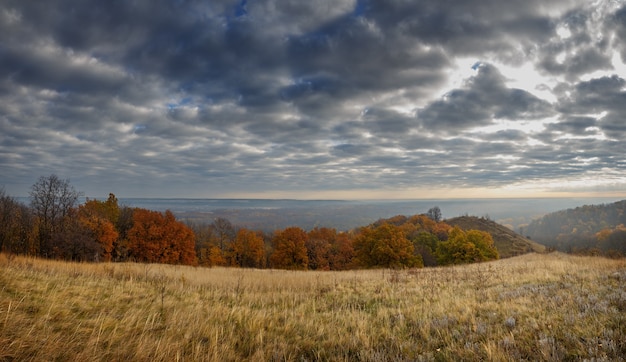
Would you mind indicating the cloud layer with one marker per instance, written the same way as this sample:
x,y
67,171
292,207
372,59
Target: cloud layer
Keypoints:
x,y
357,99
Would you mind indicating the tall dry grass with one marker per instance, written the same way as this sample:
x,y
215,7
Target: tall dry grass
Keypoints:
x,y
533,307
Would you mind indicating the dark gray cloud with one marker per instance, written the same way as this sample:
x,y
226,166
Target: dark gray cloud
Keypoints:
x,y
289,98
618,24
604,100
581,45
483,100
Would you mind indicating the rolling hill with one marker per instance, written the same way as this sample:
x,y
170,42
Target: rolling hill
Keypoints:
x,y
506,240
600,227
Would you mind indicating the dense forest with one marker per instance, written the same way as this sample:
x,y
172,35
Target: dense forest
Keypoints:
x,y
55,226
589,229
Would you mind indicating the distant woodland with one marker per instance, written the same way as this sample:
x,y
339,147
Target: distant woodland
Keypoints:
x,y
589,229
55,226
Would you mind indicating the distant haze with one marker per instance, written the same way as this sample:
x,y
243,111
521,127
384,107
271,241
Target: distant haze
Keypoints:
x,y
269,214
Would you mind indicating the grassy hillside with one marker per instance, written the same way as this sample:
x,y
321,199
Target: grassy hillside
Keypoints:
x,y
506,240
532,307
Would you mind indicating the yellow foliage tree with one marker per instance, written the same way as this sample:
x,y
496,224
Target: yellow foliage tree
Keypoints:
x,y
466,247
248,249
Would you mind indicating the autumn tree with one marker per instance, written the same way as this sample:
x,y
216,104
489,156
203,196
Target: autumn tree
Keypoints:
x,y
318,246
215,257
248,249
394,220
456,250
204,242
123,225
108,209
417,224
82,237
223,233
289,249
612,241
341,256
72,241
466,247
160,238
425,245
484,243
384,246
423,232
422,223
17,232
88,231
51,200
96,219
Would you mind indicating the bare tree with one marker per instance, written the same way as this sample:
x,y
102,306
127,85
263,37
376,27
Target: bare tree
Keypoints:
x,y
434,213
51,200
224,231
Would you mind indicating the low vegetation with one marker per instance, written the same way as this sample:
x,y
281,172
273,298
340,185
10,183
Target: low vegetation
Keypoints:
x,y
540,307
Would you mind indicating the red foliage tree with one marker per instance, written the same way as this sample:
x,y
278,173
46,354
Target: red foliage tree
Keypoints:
x,y
290,249
342,252
318,245
159,238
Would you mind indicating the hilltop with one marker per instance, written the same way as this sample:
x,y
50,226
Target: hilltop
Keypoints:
x,y
508,242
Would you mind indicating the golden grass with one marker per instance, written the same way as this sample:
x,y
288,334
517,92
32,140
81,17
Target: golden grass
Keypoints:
x,y
533,307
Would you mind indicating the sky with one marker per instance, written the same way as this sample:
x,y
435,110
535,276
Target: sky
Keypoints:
x,y
325,99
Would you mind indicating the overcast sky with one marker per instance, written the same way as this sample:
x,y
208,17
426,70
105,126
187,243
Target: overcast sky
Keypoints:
x,y
337,99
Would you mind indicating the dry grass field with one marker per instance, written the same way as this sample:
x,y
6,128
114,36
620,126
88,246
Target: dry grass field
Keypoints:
x,y
532,307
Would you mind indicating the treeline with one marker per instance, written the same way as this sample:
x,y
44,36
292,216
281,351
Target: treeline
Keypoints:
x,y
589,229
54,225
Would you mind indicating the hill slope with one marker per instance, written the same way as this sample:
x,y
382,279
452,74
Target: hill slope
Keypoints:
x,y
506,240
589,226
517,309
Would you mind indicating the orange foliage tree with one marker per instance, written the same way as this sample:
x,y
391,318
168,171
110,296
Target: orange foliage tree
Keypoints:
x,y
342,252
248,249
423,223
290,249
160,238
215,257
95,223
384,246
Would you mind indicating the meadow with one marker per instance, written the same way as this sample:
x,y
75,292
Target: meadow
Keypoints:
x,y
532,307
